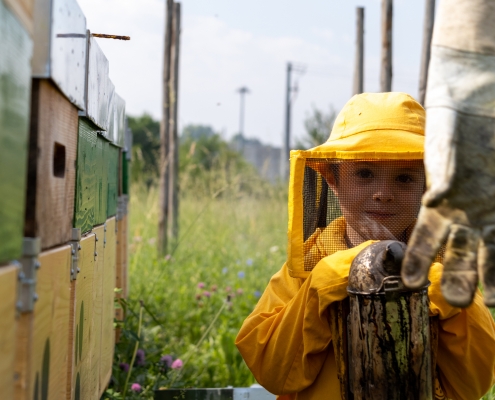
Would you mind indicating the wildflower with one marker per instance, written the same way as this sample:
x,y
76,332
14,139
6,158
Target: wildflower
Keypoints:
x,y
240,291
249,262
136,387
168,257
273,249
201,304
124,367
214,288
198,296
167,360
151,241
225,270
139,358
138,239
201,285
228,289
241,274
206,293
177,364
257,293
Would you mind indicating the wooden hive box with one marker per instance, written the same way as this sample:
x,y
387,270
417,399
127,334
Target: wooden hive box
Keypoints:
x,y
8,289
52,165
81,320
121,267
107,329
15,87
113,168
24,11
101,176
84,212
43,336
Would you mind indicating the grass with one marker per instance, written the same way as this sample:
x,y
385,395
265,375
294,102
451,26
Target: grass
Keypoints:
x,y
230,246
193,302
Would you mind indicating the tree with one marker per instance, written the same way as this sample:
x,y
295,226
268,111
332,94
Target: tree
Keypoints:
x,y
318,126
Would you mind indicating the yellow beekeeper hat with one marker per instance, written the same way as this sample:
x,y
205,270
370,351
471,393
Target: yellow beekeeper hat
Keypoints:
x,y
371,126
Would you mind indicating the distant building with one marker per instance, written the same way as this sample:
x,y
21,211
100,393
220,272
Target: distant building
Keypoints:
x,y
265,158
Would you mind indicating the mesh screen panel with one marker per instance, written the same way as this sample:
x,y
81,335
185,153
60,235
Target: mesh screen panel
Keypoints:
x,y
347,202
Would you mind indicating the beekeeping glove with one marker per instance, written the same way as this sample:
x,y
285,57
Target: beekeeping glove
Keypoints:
x,y
459,204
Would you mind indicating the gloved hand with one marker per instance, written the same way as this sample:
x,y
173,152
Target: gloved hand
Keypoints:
x,y
459,204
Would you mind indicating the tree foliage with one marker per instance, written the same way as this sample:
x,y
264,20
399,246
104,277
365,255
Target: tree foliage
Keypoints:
x,y
318,125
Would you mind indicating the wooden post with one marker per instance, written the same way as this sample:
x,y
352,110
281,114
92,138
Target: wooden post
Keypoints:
x,y
173,178
359,60
164,133
386,68
426,50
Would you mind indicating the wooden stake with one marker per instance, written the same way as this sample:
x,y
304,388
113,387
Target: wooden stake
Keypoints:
x,y
359,60
164,133
386,69
173,191
426,50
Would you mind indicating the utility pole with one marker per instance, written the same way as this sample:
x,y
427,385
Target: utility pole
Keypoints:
x,y
286,148
359,60
426,50
242,91
168,127
386,68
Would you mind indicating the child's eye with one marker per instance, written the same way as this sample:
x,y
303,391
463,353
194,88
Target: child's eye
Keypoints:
x,y
404,178
365,173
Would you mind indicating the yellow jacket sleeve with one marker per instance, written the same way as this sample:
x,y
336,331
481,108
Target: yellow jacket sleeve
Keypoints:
x,y
466,344
284,340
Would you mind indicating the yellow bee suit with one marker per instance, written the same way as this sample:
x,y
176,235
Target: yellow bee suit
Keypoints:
x,y
286,341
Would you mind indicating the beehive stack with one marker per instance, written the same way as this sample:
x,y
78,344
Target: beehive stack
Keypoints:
x,y
61,149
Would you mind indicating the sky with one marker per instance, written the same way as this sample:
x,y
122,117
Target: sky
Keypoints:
x,y
227,44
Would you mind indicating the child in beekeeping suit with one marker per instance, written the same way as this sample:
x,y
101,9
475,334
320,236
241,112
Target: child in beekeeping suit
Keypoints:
x,y
365,183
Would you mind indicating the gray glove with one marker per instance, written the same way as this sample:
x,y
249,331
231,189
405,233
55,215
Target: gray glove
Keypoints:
x,y
459,204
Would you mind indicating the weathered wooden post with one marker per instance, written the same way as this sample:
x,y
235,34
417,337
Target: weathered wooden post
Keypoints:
x,y
426,49
359,60
384,345
386,67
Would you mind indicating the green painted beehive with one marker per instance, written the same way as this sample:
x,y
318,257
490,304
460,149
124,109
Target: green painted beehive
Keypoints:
x,y
15,86
113,179
125,173
101,176
84,212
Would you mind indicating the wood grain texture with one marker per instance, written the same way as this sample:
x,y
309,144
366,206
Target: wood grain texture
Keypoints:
x,y
15,87
8,289
107,330
113,179
96,315
52,165
51,323
84,213
121,267
81,344
101,176
24,12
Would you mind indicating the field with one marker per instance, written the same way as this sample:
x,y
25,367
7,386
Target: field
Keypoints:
x,y
187,308
229,247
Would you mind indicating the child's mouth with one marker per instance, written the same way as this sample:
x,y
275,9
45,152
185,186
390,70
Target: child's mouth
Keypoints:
x,y
379,215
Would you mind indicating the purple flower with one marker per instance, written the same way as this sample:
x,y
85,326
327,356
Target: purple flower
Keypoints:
x,y
201,285
177,364
124,367
249,262
206,293
139,358
167,360
257,293
136,387
241,274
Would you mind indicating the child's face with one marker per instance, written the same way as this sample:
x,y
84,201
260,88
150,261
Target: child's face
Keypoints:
x,y
378,198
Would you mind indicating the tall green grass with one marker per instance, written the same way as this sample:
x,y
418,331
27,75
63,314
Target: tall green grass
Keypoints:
x,y
230,243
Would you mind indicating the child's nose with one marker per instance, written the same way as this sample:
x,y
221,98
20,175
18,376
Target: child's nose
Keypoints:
x,y
383,195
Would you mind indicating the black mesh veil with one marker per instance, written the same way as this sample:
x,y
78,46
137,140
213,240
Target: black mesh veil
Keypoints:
x,y
347,202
